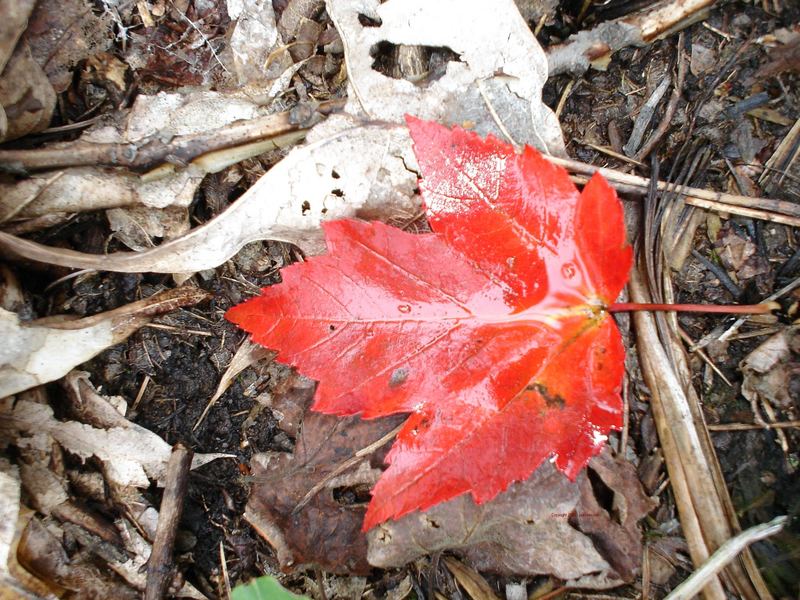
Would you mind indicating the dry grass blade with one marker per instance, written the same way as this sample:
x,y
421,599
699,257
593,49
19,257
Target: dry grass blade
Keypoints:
x,y
676,432
470,580
248,354
705,508
723,556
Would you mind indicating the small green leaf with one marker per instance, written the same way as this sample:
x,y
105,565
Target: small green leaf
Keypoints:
x,y
264,588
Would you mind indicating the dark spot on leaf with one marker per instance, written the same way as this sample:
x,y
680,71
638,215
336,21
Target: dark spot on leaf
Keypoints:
x,y
552,400
306,206
332,327
398,377
337,192
335,174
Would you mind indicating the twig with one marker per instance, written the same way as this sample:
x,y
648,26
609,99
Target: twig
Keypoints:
x,y
752,426
224,566
672,106
741,320
582,49
719,273
490,107
692,195
723,556
159,565
564,97
685,337
644,117
151,152
207,42
610,152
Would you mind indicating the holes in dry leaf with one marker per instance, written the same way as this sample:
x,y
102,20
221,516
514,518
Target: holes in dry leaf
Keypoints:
x,y
603,494
338,193
418,64
369,21
352,495
432,523
305,207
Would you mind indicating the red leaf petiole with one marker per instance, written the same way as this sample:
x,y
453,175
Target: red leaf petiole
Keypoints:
x,y
740,309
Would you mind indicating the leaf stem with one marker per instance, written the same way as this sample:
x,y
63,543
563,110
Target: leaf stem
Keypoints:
x,y
757,309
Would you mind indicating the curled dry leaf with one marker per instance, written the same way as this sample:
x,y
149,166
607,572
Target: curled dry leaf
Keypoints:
x,y
770,371
544,525
356,171
131,455
46,350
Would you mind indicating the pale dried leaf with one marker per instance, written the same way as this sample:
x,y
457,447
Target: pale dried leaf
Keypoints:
x,y
37,353
131,455
501,64
346,171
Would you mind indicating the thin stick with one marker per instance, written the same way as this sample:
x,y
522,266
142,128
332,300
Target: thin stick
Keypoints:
x,y
695,196
150,152
752,426
159,566
223,562
685,337
672,106
723,556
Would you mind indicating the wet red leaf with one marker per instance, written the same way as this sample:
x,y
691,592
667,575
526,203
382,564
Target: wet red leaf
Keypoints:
x,y
492,331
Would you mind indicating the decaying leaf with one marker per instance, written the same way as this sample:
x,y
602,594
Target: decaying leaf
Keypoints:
x,y
26,97
544,525
46,350
326,531
483,354
64,32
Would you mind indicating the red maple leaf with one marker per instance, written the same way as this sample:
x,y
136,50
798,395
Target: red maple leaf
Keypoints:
x,y
492,331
